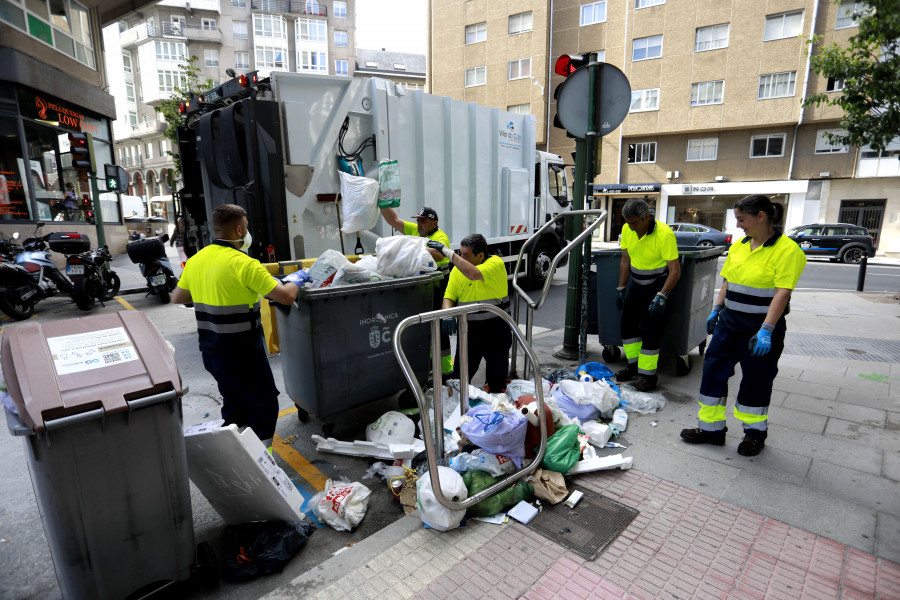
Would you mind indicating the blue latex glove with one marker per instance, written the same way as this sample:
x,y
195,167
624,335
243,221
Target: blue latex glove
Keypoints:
x,y
298,278
657,305
761,343
448,327
435,245
620,297
712,319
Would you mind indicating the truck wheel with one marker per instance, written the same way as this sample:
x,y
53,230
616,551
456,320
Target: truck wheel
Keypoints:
x,y
611,354
852,255
540,265
82,295
14,308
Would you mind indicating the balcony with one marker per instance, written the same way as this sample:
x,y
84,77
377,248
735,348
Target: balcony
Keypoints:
x,y
136,35
294,7
192,5
147,129
132,161
206,35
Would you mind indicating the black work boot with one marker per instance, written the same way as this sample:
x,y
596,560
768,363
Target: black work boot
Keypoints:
x,y
644,383
626,374
751,446
699,436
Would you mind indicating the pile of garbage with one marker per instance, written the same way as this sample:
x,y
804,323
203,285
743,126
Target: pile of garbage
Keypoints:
x,y
498,436
396,256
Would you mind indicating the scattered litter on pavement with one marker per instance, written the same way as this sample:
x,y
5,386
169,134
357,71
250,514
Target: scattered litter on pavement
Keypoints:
x,y
523,512
602,463
653,423
391,428
574,498
259,548
289,439
360,448
615,445
341,505
433,513
378,468
498,519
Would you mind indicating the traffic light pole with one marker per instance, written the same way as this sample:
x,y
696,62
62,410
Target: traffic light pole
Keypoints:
x,y
98,213
575,334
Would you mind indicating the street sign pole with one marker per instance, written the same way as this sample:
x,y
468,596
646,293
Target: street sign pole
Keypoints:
x,y
98,213
569,350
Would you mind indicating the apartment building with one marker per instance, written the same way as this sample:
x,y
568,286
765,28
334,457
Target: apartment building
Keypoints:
x,y
403,68
715,112
144,52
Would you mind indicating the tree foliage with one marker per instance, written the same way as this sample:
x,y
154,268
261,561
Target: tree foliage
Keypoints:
x,y
193,84
869,66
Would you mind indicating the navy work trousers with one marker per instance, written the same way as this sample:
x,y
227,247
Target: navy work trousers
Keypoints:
x,y
249,395
641,333
489,339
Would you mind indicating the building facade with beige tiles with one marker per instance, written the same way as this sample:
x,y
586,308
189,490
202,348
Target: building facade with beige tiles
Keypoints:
x,y
716,102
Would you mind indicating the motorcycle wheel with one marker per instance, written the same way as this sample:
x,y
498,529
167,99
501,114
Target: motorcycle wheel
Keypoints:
x,y
14,308
163,292
81,293
112,284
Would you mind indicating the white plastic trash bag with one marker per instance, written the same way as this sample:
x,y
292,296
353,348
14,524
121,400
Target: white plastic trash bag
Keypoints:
x,y
402,256
341,505
359,203
525,387
389,184
351,273
392,428
597,393
433,513
322,272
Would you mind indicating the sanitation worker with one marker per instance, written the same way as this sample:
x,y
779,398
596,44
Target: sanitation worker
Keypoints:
x,y
426,226
747,325
225,284
480,277
647,273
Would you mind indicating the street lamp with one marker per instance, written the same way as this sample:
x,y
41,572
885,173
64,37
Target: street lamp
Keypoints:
x,y
540,87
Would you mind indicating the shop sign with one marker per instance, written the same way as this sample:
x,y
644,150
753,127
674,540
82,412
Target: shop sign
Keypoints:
x,y
695,189
627,188
49,110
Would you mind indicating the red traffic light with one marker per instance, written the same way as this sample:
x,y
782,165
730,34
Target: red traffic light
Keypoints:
x,y
81,147
567,63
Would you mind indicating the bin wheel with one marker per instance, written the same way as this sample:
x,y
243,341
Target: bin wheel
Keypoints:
x,y
327,430
611,354
702,347
683,365
206,573
406,400
302,415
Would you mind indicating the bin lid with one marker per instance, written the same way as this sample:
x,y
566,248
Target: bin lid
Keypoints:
x,y
370,286
64,368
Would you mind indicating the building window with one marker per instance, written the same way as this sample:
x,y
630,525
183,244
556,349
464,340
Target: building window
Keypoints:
x,y
834,85
340,10
645,48
211,58
269,58
311,61
519,109
519,69
208,24
776,85
169,80
643,100
129,91
126,61
162,148
340,67
646,3
149,149
239,28
595,12
702,149
476,76
825,146
476,33
848,14
784,25
340,39
270,26
169,51
711,38
642,153
763,146
312,30
239,3
241,60
132,119
707,92
177,26
520,23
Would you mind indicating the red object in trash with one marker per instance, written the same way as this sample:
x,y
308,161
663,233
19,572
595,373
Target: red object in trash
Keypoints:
x,y
533,432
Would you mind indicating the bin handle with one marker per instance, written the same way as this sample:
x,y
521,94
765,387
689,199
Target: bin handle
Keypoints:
x,y
151,400
61,422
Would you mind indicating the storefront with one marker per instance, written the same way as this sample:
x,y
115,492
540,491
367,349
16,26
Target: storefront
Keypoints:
x,y
37,181
613,197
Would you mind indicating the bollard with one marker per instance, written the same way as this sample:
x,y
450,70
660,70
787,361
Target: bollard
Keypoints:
x,y
861,279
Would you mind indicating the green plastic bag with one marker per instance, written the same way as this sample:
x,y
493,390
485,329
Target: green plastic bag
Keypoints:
x,y
388,184
479,480
563,450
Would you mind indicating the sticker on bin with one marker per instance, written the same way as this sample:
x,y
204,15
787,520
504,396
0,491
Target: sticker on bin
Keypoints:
x,y
278,477
92,350
204,427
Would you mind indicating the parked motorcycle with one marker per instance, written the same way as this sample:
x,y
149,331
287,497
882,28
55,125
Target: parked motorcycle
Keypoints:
x,y
29,276
150,254
91,275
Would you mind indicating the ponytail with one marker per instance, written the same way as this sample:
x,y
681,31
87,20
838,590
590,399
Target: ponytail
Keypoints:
x,y
757,202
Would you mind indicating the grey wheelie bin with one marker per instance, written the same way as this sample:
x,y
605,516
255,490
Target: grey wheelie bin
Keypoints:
x,y
99,409
336,351
686,309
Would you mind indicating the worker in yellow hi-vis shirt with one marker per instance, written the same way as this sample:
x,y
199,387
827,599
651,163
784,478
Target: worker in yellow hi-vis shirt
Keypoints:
x,y
650,262
747,325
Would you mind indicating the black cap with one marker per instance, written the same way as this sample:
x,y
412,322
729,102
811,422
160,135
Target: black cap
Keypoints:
x,y
426,211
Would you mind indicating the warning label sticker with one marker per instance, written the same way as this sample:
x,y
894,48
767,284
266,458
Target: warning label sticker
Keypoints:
x,y
92,350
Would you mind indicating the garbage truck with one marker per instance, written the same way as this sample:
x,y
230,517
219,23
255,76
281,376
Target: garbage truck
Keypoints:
x,y
275,146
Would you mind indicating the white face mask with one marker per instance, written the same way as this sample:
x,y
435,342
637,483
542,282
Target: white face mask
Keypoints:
x,y
246,240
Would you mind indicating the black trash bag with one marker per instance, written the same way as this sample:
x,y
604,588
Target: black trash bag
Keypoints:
x,y
262,547
560,374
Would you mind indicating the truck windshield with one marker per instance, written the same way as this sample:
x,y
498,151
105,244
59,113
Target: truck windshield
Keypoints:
x,y
556,182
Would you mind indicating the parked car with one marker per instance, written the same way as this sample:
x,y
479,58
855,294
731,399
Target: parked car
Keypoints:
x,y
693,235
837,241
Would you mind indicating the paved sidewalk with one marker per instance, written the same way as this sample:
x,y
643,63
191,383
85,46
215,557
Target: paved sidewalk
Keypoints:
x,y
816,515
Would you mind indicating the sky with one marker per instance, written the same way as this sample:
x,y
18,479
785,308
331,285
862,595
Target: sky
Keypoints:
x,y
396,25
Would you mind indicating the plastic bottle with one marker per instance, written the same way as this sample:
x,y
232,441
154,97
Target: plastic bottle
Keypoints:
x,y
466,462
619,421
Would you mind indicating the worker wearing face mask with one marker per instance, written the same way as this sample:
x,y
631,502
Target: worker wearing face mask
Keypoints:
x,y
225,285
